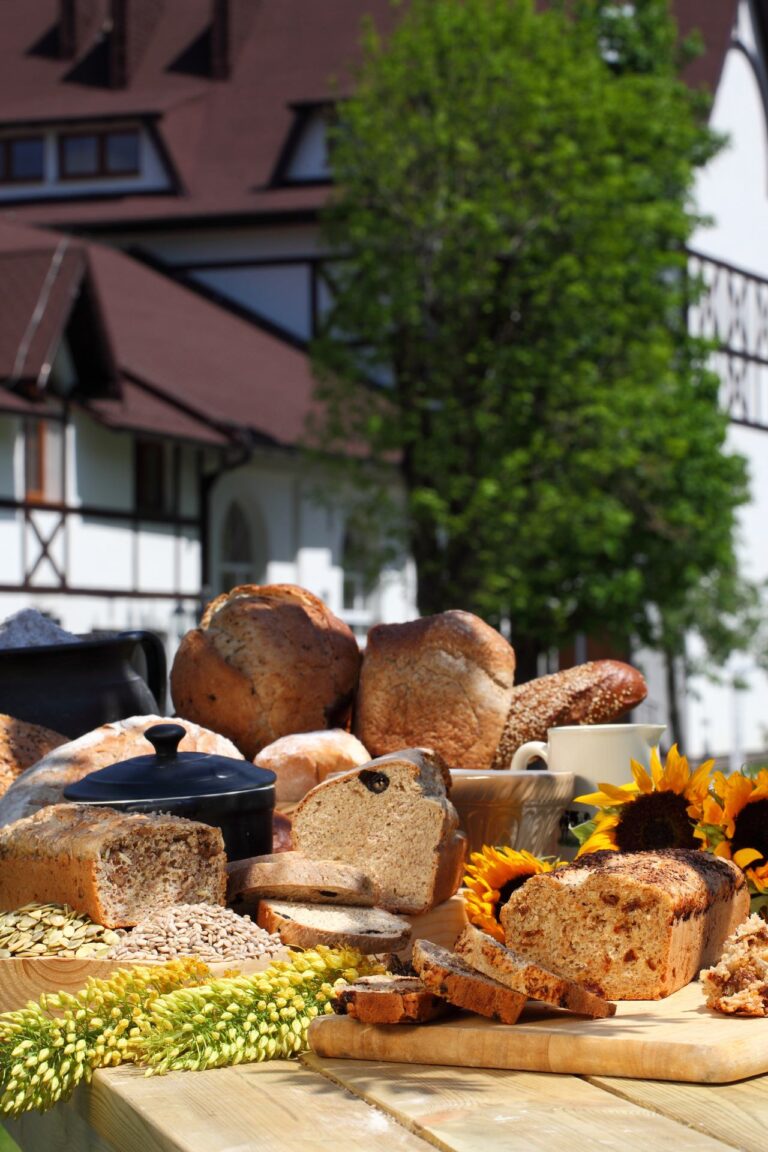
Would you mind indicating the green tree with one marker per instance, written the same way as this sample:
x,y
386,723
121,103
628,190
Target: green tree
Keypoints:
x,y
511,210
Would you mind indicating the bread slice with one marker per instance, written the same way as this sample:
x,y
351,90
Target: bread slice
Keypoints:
x,y
291,876
394,818
448,976
115,867
630,926
368,930
388,999
491,958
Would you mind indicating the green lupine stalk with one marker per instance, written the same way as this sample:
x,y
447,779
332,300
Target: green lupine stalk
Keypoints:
x,y
242,1019
49,1047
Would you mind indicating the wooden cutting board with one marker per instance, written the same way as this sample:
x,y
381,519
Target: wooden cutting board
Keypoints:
x,y
673,1039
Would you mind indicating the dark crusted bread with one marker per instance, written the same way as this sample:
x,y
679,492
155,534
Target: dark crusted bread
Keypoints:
x,y
292,876
598,692
266,661
630,926
447,975
441,682
369,930
389,999
533,980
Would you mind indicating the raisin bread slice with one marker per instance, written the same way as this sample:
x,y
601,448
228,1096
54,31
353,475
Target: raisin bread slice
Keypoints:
x,y
369,930
292,876
448,976
485,954
389,999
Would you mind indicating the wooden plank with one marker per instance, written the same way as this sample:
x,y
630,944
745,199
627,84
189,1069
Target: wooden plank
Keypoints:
x,y
277,1106
734,1113
673,1039
494,1110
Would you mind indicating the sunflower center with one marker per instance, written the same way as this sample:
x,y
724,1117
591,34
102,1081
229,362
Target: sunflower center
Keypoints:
x,y
655,820
506,891
751,828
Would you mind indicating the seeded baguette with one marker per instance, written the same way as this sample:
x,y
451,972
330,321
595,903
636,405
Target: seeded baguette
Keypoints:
x,y
294,877
368,930
389,999
448,976
493,959
114,867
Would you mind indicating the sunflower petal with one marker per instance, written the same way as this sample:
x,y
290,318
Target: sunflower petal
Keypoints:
x,y
746,856
642,779
656,769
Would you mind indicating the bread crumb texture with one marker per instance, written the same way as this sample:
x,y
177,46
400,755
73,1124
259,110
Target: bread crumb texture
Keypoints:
x,y
738,983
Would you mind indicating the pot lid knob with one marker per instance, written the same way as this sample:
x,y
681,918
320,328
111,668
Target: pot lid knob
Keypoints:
x,y
165,739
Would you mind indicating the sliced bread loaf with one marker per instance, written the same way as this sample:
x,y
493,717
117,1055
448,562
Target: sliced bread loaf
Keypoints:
x,y
292,876
448,976
485,954
393,818
388,999
341,926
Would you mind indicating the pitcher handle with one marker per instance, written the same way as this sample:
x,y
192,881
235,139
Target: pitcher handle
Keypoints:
x,y
157,668
533,750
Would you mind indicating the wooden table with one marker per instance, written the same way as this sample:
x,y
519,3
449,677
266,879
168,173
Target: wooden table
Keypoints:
x,y
350,1106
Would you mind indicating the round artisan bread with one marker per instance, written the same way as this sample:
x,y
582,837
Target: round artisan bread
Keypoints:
x,y
443,682
45,781
21,746
266,661
304,759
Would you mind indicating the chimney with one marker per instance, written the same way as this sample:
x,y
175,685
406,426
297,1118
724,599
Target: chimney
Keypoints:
x,y
230,20
79,20
133,22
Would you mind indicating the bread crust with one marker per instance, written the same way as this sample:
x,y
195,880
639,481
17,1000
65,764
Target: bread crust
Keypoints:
x,y
266,661
630,926
304,759
22,745
108,864
389,1000
446,974
597,692
291,876
369,930
530,979
443,682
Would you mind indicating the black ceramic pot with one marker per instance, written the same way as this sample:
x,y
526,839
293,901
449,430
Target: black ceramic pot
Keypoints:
x,y
233,795
73,688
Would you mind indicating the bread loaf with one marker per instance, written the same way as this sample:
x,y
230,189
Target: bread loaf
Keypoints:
x,y
537,981
45,782
114,867
266,661
393,816
339,926
598,692
446,974
630,926
442,682
21,746
291,876
389,999
304,759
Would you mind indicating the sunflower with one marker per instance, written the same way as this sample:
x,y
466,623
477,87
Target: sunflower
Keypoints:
x,y
734,823
653,811
493,874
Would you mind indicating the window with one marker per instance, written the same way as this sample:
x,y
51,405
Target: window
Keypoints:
x,y
152,490
43,461
22,160
84,155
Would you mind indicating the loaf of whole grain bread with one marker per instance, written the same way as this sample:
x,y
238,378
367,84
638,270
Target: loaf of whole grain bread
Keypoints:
x,y
21,746
629,926
267,660
45,781
114,867
441,682
392,816
597,692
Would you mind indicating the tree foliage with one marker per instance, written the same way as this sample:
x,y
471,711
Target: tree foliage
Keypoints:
x,y
508,317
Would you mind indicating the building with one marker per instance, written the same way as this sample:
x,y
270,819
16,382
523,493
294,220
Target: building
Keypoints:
x,y
162,163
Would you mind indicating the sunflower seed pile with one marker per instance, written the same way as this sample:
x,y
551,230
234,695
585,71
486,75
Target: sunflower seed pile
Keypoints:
x,y
52,930
210,933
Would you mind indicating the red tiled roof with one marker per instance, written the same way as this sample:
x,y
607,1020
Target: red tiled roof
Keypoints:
x,y
138,410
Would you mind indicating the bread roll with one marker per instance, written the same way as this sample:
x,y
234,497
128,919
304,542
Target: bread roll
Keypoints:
x,y
630,926
304,759
21,746
115,867
45,782
266,661
598,692
442,682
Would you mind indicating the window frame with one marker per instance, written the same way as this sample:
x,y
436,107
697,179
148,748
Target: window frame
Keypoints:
x,y
6,174
102,172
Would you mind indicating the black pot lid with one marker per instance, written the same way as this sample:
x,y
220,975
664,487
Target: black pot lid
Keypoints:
x,y
172,775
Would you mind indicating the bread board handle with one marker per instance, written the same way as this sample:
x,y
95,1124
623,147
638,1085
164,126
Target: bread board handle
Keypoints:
x,y
532,750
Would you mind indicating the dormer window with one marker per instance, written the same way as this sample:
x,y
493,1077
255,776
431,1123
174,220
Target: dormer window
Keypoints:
x,y
304,159
22,160
86,155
